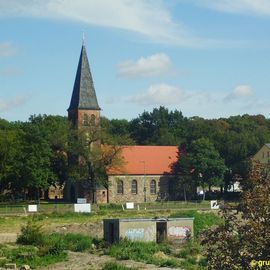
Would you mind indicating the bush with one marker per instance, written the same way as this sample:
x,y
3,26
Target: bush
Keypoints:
x,y
31,234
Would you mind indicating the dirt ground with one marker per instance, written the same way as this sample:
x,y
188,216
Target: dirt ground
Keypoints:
x,y
8,238
92,229
87,261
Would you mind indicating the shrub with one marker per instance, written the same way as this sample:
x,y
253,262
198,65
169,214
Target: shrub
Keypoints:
x,y
52,247
31,234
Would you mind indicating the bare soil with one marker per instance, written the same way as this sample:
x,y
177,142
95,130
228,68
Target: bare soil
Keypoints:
x,y
94,229
87,261
8,238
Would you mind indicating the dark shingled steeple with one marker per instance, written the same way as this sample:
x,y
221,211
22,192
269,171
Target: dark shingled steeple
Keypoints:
x,y
84,94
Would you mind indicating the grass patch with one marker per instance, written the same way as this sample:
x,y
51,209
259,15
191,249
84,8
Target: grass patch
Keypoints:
x,y
75,242
190,254
30,255
147,252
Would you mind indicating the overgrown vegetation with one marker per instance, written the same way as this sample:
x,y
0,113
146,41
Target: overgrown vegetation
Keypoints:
x,y
116,266
30,255
39,249
147,252
189,257
243,241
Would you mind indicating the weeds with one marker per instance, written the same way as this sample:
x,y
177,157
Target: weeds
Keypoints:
x,y
190,254
40,249
73,242
30,255
147,252
116,266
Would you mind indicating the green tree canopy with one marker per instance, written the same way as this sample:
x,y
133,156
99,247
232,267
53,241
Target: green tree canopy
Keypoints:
x,y
208,166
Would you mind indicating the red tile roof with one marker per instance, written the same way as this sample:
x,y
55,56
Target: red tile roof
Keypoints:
x,y
147,159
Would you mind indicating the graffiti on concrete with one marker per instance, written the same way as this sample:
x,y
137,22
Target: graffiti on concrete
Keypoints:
x,y
135,234
180,232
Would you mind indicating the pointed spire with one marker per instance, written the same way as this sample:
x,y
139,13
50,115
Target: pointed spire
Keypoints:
x,y
84,94
83,38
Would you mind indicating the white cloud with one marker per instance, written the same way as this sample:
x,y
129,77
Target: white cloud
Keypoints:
x,y
154,65
238,93
160,94
203,103
252,7
9,104
7,48
150,18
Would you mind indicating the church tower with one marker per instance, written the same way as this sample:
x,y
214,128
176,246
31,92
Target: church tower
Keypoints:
x,y
83,113
84,110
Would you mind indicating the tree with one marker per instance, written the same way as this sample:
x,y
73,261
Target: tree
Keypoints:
x,y
10,147
115,127
92,152
182,169
35,160
209,167
159,127
54,130
244,239
36,156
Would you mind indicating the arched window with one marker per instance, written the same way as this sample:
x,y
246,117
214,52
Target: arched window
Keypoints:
x,y
85,120
134,187
93,120
153,187
120,187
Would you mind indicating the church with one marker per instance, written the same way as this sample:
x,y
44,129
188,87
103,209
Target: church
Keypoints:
x,y
146,175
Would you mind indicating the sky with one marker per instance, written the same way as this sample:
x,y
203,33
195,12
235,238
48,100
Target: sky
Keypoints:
x,y
207,58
